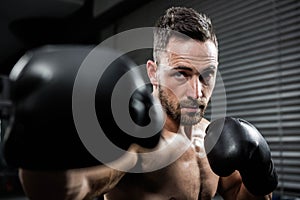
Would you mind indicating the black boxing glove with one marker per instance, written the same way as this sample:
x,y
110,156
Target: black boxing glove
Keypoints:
x,y
235,144
122,88
42,134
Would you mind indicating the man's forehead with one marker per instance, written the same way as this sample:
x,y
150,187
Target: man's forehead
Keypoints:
x,y
183,45
190,51
175,57
174,60
194,70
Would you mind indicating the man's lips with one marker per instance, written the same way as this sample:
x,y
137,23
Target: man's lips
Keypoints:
x,y
191,109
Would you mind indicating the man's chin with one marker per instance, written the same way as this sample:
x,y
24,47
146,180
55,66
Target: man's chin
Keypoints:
x,y
190,120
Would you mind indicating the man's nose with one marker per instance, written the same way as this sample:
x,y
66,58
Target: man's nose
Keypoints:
x,y
194,89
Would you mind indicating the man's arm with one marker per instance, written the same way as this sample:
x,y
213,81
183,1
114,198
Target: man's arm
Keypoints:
x,y
232,187
100,179
76,184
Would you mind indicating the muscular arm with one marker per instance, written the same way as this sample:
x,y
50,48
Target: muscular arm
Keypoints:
x,y
232,188
76,184
101,179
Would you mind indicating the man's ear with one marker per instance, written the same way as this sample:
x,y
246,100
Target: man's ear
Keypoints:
x,y
152,72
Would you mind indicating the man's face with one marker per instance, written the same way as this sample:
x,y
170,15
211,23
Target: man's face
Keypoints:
x,y
186,78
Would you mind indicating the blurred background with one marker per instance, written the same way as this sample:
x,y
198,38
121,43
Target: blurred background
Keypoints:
x,y
259,56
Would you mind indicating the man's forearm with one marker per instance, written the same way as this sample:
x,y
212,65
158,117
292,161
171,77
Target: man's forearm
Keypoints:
x,y
232,188
245,194
103,178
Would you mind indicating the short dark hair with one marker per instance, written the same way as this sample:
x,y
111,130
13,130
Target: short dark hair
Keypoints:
x,y
185,21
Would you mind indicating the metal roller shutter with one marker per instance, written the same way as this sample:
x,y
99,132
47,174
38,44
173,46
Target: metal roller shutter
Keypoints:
x,y
260,67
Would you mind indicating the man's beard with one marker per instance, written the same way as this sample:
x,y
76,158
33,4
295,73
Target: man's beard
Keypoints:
x,y
173,107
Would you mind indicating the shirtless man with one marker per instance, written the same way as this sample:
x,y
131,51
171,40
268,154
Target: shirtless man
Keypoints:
x,y
183,75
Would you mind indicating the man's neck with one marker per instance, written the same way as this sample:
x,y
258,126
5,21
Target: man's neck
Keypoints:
x,y
188,131
172,127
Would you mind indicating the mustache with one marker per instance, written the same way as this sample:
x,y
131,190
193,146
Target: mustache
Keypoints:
x,y
194,103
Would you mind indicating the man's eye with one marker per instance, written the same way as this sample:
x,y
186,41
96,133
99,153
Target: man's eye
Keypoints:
x,y
206,77
180,75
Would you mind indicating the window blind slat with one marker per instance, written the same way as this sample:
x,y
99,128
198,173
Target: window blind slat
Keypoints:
x,y
260,67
